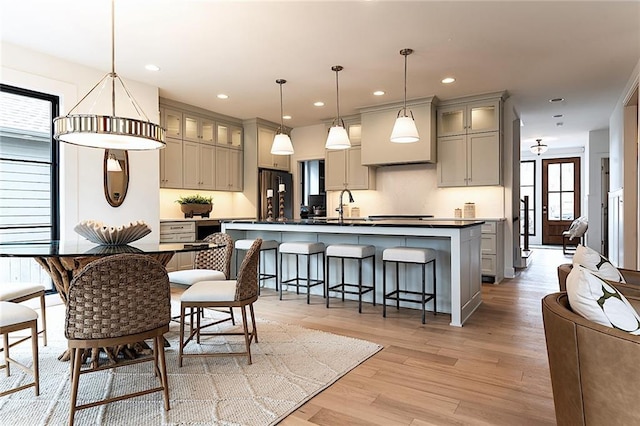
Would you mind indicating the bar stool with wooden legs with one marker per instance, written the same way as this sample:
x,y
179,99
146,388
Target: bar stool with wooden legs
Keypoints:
x,y
408,256
15,317
352,252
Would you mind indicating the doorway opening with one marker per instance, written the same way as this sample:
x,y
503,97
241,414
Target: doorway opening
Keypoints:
x,y
313,195
560,197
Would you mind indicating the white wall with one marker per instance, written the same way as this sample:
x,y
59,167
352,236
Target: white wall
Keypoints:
x,y
597,149
81,175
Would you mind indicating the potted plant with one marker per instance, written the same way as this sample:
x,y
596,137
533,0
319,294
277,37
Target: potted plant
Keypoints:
x,y
195,205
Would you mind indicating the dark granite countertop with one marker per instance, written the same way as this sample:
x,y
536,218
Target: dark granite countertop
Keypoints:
x,y
420,223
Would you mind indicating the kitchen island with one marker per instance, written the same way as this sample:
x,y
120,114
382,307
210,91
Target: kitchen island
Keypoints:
x,y
458,270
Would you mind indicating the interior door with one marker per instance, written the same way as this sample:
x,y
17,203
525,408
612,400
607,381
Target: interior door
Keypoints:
x,y
560,197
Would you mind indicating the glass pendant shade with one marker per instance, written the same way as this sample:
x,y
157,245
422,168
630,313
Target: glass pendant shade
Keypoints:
x,y
539,148
338,138
405,131
282,145
109,132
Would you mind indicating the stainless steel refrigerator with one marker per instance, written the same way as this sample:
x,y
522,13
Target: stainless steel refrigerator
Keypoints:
x,y
272,179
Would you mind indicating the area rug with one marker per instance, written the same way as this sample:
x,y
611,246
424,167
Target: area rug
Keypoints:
x,y
290,365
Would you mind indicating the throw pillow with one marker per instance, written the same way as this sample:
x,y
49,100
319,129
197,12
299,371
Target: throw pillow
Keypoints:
x,y
578,228
594,261
596,300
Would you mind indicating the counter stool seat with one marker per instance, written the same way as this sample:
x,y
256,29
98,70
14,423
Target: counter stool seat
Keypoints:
x,y
357,252
18,292
408,255
307,249
267,245
16,317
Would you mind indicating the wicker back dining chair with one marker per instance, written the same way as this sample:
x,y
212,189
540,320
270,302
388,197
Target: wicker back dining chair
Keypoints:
x,y
238,293
113,302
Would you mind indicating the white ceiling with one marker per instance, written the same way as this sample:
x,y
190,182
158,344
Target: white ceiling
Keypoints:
x,y
583,52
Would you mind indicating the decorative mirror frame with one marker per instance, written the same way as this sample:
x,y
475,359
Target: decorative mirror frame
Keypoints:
x,y
118,199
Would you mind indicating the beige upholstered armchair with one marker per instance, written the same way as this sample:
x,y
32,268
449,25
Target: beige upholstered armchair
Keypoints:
x,y
594,368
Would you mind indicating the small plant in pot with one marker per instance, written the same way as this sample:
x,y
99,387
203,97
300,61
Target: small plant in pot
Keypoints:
x,y
195,205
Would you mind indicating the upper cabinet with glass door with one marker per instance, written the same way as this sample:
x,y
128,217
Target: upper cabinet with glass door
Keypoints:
x,y
172,122
473,117
229,135
198,129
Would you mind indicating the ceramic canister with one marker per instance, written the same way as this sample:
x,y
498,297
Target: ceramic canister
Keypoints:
x,y
469,210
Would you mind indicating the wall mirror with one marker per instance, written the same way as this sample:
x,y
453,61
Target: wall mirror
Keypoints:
x,y
116,175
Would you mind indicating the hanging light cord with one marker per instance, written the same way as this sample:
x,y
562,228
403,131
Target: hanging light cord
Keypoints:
x,y
404,105
337,69
281,82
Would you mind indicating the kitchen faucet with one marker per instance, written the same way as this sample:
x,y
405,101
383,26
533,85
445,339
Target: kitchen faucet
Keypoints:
x,y
340,209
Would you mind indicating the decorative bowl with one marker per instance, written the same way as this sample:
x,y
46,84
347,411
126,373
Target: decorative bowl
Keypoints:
x,y
98,233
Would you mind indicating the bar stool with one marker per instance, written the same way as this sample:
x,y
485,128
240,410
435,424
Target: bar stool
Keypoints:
x,y
408,255
18,292
16,317
302,248
357,252
267,245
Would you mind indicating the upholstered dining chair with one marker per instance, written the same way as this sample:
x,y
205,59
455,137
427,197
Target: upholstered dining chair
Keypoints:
x,y
115,301
210,265
18,292
238,293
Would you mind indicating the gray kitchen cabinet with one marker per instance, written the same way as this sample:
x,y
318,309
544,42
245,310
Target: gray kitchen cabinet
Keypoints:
x,y
198,129
198,166
171,164
179,232
344,169
492,249
228,169
265,158
189,159
470,141
377,124
228,135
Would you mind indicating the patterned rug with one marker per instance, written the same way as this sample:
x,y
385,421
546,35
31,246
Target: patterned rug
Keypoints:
x,y
290,365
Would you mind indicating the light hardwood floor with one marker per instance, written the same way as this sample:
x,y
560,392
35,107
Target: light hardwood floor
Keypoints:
x,y
492,371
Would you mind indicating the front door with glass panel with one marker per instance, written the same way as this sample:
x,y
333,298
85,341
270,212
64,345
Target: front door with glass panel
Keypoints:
x,y
560,197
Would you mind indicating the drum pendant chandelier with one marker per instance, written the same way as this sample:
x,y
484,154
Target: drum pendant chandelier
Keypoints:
x,y
109,132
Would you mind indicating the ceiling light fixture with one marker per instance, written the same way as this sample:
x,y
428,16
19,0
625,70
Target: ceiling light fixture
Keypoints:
x,y
338,138
554,100
152,67
222,96
539,148
109,132
281,142
448,80
378,93
318,104
405,130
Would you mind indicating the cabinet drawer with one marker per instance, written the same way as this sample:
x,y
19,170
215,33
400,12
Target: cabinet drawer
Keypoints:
x,y
488,244
489,264
187,237
489,228
177,227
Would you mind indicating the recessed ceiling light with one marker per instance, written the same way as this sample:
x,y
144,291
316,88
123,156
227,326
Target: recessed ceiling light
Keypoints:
x,y
448,80
151,67
558,116
286,117
223,96
318,104
556,100
378,93
560,124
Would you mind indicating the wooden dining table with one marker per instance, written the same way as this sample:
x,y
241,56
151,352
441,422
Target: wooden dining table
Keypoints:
x,y
62,260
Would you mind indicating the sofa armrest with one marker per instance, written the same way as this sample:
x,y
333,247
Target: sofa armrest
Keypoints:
x,y
630,276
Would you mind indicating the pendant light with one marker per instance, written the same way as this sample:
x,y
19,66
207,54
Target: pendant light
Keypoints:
x,y
338,138
282,142
405,131
109,132
539,148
